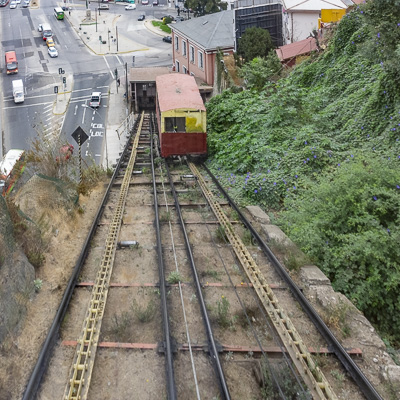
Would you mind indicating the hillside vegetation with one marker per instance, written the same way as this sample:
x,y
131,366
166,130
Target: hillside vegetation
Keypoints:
x,y
321,146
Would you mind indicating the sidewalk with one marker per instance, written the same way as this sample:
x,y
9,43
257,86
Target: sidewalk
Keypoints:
x,y
90,34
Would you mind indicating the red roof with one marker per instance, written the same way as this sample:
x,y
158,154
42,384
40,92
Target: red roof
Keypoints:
x,y
178,91
296,49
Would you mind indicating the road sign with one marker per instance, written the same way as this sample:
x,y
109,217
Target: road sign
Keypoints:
x,y
55,89
80,135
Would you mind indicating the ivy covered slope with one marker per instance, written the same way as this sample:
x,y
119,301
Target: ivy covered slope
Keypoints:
x,y
322,146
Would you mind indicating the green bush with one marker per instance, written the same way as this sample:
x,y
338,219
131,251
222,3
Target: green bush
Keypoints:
x,y
349,222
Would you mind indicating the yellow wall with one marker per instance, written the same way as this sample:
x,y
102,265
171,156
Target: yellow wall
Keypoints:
x,y
195,120
332,15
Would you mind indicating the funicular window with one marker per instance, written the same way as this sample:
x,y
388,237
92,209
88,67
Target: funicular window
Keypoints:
x,y
175,124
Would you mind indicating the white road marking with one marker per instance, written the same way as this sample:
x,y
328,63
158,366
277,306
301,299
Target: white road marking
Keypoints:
x,y
119,60
112,75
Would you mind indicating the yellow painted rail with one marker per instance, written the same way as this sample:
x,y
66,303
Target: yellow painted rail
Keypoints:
x,y
82,367
301,357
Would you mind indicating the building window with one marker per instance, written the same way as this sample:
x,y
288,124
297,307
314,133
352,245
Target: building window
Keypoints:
x,y
177,66
184,70
144,87
184,48
176,43
200,59
191,54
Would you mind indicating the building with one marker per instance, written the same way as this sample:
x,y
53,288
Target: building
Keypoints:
x,y
196,42
300,17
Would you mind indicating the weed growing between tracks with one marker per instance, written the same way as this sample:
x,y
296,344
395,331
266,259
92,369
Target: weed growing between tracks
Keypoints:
x,y
225,320
337,316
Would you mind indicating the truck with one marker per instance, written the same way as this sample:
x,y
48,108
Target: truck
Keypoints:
x,y
18,90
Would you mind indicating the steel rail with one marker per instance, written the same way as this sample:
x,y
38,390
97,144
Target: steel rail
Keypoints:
x,y
52,335
298,351
210,335
351,367
169,364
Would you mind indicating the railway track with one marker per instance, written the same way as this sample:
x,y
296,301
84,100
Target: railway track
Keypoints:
x,y
166,301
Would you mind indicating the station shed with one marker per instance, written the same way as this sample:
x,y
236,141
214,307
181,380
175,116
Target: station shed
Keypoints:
x,y
181,116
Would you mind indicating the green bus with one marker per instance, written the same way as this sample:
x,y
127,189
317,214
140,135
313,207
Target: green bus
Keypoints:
x,y
59,13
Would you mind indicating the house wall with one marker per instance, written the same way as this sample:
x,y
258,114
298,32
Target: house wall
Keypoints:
x,y
203,69
299,25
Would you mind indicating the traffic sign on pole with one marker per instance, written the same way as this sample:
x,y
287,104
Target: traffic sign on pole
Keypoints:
x,y
55,89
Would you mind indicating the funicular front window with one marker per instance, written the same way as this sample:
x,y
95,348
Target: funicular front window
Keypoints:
x,y
175,124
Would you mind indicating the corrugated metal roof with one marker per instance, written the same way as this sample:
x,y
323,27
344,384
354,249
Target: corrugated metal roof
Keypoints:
x,y
313,5
147,74
296,49
178,91
210,31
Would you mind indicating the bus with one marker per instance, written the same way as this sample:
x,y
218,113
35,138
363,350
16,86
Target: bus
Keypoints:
x,y
11,62
11,168
59,13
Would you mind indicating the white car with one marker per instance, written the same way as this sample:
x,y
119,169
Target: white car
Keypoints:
x,y
18,1
26,3
52,52
40,28
130,7
13,4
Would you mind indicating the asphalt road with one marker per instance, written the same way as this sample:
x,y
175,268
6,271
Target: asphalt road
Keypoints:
x,y
21,123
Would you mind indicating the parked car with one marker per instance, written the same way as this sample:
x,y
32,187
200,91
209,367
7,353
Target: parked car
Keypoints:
x,y
13,4
104,7
52,52
179,19
18,1
167,39
168,16
145,2
40,28
25,3
130,7
50,42
64,8
155,3
141,17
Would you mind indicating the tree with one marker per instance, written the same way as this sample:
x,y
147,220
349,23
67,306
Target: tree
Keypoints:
x,y
259,71
255,42
203,7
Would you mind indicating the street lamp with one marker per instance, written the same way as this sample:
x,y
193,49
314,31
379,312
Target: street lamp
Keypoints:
x,y
105,129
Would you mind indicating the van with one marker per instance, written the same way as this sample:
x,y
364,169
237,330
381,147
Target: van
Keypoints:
x,y
11,168
95,99
18,91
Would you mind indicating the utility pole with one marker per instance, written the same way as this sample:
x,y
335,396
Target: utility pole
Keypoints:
x,y
116,35
95,11
126,82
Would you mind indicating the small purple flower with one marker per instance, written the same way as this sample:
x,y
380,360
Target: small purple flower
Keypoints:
x,y
315,156
351,156
297,176
274,183
305,142
263,179
397,186
255,190
388,230
379,35
375,198
338,165
294,187
308,159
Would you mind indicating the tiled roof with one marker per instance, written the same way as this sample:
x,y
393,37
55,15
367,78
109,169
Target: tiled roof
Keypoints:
x,y
296,49
210,31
